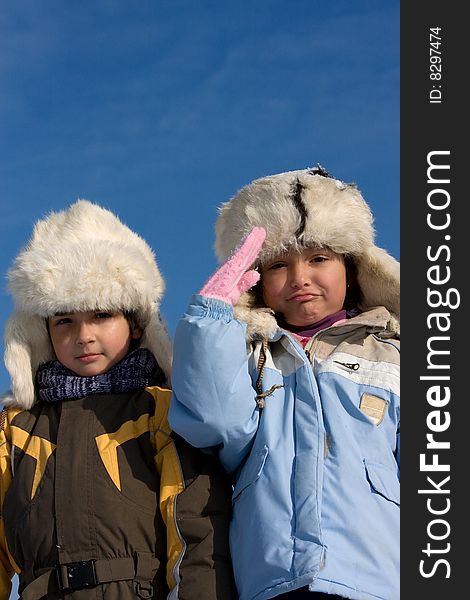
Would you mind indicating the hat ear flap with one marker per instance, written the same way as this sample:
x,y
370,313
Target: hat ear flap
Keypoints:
x,y
379,279
157,340
27,345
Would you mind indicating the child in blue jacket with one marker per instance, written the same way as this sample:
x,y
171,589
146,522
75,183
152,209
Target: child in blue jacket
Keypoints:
x,y
287,362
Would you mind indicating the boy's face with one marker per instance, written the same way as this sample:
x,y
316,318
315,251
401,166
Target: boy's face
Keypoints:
x,y
306,286
90,343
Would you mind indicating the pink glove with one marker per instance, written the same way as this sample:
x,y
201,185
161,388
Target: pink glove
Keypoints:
x,y
232,279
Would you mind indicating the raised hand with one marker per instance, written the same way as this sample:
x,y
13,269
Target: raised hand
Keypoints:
x,y
232,279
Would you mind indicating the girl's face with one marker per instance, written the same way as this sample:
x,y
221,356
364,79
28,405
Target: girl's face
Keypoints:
x,y
306,286
90,343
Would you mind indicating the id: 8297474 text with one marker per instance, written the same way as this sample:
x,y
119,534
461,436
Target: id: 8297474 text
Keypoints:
x,y
435,65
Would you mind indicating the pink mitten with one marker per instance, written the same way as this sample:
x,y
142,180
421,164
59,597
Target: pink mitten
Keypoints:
x,y
232,279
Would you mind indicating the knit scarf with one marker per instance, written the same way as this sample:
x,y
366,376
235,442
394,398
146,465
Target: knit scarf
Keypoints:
x,y
55,383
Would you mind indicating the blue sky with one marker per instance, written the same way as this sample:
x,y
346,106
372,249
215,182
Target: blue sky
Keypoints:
x,y
162,110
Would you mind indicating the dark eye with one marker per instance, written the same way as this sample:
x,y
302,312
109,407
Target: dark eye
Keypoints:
x,y
319,258
103,315
276,265
63,321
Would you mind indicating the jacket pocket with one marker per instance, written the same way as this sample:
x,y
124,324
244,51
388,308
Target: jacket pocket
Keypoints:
x,y
383,480
250,472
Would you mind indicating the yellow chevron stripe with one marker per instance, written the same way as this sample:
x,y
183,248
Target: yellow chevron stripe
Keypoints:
x,y
171,480
162,399
108,444
35,446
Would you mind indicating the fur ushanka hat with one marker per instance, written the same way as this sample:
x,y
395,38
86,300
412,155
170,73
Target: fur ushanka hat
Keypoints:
x,y
303,208
80,259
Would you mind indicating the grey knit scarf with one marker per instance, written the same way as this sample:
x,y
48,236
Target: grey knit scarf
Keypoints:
x,y
139,369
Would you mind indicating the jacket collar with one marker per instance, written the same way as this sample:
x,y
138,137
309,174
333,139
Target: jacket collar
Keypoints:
x,y
261,322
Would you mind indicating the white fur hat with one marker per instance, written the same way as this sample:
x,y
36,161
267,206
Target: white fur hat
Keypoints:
x,y
80,259
308,207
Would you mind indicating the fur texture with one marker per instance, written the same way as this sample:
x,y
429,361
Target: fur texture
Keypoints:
x,y
83,258
303,208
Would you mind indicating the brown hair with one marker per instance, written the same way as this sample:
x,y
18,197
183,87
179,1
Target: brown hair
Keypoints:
x,y
131,318
353,290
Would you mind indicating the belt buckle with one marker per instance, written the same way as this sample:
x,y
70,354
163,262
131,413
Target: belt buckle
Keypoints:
x,y
76,575
145,592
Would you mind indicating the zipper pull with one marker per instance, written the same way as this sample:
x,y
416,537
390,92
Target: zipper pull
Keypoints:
x,y
351,366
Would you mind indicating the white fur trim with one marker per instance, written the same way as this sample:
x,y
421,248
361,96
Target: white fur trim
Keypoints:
x,y
337,215
27,345
157,340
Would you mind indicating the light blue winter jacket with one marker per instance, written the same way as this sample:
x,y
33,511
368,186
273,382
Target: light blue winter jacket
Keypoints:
x,y
316,498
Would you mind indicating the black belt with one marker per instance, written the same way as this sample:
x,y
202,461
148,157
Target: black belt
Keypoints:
x,y
89,573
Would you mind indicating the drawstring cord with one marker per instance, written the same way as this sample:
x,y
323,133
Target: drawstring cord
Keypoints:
x,y
260,396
